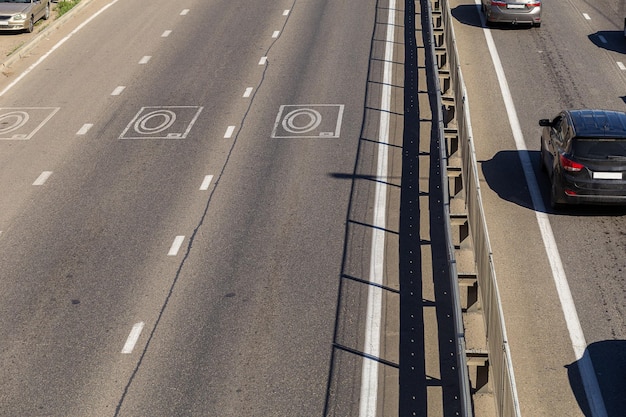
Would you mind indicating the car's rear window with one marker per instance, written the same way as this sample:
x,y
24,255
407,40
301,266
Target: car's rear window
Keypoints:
x,y
595,148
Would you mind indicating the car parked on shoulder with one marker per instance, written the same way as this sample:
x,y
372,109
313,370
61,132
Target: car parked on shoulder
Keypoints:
x,y
512,11
584,155
21,15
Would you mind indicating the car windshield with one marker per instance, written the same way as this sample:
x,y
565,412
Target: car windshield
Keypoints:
x,y
594,148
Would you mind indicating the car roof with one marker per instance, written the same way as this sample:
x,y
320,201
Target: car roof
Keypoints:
x,y
599,123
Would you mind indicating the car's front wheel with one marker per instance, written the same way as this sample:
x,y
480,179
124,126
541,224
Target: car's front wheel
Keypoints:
x,y
31,25
46,14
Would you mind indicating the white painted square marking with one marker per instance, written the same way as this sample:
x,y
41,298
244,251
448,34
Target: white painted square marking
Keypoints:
x,y
42,178
84,129
166,33
248,92
206,182
21,123
263,60
229,132
308,121
118,90
178,241
144,60
166,122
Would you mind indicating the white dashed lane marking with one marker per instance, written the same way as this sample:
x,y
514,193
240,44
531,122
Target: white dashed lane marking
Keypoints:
x,y
41,179
166,33
131,341
248,92
178,241
229,132
184,12
118,90
145,59
263,60
206,182
83,130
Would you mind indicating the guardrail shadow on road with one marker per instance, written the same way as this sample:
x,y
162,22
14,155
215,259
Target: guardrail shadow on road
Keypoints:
x,y
611,40
504,175
609,362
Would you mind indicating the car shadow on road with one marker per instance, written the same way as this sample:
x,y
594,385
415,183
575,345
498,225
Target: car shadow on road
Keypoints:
x,y
470,14
505,176
611,40
609,365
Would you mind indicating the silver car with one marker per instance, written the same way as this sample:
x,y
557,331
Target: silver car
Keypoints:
x,y
512,11
18,15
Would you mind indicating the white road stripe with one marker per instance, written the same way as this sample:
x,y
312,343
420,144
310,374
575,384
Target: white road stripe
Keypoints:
x,y
42,178
263,60
166,33
84,129
621,66
178,241
145,59
184,12
286,12
118,90
276,34
229,132
131,341
248,92
577,338
586,16
206,182
373,317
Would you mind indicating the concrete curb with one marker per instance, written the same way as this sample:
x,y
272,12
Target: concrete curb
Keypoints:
x,y
56,24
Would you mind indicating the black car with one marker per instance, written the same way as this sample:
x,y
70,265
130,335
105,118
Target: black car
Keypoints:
x,y
584,154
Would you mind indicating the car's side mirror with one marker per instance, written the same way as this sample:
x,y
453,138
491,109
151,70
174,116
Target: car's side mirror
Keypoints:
x,y
545,122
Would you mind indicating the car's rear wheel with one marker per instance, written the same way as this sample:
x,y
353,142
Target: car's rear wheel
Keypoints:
x,y
542,156
554,197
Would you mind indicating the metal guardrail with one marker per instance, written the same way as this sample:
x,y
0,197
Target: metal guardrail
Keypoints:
x,y
454,94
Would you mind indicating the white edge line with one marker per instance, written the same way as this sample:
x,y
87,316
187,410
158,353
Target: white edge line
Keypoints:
x,y
42,178
369,373
206,182
131,341
55,47
178,241
579,345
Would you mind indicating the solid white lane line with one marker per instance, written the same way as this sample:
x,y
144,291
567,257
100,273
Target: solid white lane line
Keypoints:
x,y
206,182
286,12
42,178
84,129
276,34
229,132
263,60
248,92
57,45
118,90
178,241
184,12
131,341
369,371
577,338
586,16
621,66
166,33
145,59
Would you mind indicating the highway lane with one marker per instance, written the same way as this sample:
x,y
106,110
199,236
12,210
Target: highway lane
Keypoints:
x,y
240,317
571,62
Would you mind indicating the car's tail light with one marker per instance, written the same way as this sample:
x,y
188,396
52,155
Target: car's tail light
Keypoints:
x,y
570,165
499,3
570,192
531,5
